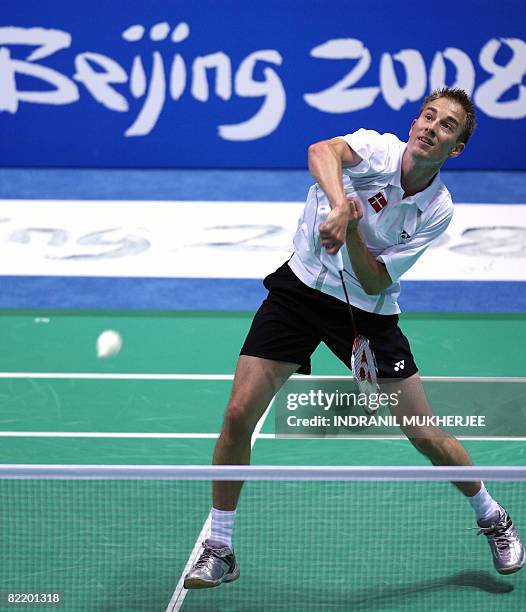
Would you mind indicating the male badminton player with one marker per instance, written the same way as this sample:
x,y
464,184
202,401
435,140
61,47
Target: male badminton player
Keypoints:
x,y
387,205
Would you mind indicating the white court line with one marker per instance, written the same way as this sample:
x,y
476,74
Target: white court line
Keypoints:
x,y
142,376
111,434
103,434
213,436
114,376
180,592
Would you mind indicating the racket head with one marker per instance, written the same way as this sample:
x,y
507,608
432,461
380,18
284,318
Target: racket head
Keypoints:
x,y
364,369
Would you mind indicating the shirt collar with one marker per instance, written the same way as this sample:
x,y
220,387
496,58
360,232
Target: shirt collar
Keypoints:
x,y
422,198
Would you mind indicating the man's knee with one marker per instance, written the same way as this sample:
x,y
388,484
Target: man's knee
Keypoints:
x,y
438,446
430,444
238,422
425,446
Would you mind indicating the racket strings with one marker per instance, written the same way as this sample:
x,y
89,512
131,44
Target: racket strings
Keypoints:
x,y
363,367
364,364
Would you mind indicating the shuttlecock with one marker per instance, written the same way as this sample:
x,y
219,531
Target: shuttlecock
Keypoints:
x,y
109,343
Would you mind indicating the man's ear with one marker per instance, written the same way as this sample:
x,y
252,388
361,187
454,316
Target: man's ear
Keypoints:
x,y
411,126
459,147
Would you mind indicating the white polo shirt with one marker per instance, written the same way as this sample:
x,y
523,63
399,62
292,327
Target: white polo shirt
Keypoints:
x,y
396,230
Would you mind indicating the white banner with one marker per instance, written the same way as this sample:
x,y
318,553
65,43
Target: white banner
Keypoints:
x,y
225,240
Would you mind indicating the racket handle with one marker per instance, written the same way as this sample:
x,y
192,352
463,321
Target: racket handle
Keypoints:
x,y
333,262
338,260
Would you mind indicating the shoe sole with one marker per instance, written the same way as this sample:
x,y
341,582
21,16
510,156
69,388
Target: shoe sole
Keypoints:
x,y
198,583
511,570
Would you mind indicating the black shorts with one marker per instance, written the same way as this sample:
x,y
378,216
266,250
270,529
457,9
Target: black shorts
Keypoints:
x,y
293,320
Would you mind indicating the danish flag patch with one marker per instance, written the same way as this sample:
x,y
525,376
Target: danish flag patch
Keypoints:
x,y
378,201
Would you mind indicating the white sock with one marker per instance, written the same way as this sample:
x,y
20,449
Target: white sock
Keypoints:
x,y
483,504
222,527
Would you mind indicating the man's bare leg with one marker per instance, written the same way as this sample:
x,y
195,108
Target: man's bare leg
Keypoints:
x,y
256,381
439,446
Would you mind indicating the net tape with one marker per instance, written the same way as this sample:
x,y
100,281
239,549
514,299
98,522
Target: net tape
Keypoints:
x,y
208,472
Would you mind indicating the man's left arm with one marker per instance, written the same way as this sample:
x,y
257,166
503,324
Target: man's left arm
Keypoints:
x,y
371,273
377,273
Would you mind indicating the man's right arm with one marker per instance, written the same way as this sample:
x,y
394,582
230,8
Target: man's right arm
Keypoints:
x,y
326,161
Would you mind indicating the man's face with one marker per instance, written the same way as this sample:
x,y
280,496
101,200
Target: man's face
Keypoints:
x,y
434,136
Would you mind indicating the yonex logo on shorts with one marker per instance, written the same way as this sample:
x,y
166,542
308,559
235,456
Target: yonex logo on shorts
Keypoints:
x,y
378,201
399,365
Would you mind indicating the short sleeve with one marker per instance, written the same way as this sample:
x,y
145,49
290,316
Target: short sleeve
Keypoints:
x,y
380,153
400,257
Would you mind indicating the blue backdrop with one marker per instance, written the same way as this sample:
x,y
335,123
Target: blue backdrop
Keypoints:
x,y
225,83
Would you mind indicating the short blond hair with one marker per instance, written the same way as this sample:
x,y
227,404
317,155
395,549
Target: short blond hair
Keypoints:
x,y
460,96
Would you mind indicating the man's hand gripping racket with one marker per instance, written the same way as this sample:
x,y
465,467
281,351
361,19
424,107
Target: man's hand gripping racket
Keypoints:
x,y
363,361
